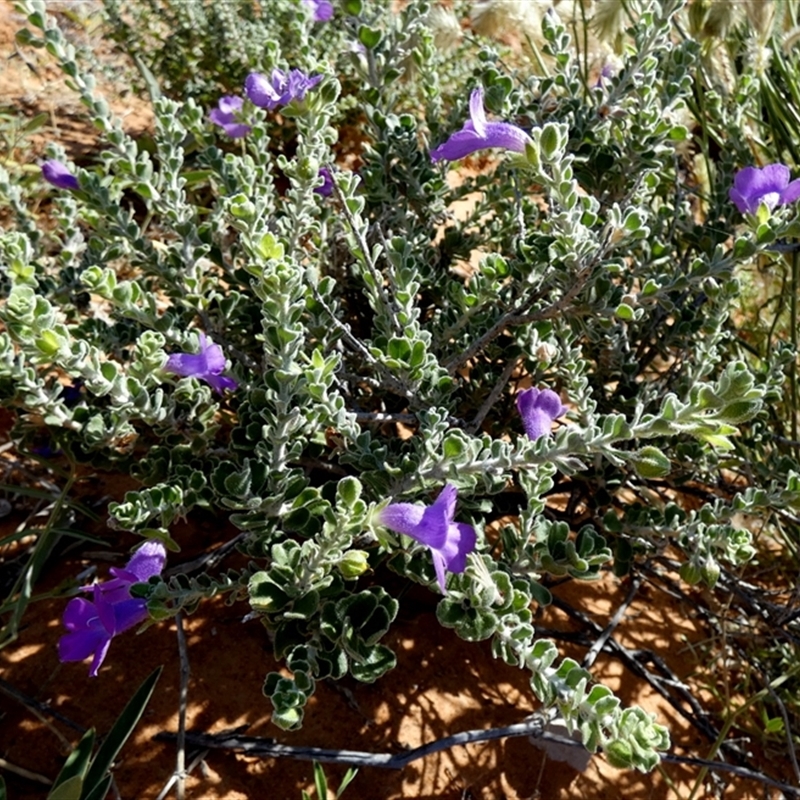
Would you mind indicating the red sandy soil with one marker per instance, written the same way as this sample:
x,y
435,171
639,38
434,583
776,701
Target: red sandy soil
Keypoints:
x,y
441,685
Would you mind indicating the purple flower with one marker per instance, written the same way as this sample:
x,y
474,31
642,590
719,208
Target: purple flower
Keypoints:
x,y
450,542
280,89
45,451
478,134
322,10
205,365
225,115
538,408
56,173
753,186
92,624
608,71
326,190
71,393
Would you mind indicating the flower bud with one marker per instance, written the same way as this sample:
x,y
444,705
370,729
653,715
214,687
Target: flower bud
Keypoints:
x,y
619,754
650,462
546,352
710,571
353,564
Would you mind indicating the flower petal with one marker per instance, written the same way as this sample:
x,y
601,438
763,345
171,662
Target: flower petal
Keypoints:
x,y
221,384
79,614
99,657
230,104
187,365
449,542
215,358
219,117
739,200
105,609
477,114
460,144
538,409
209,361
461,541
439,566
236,130
147,561
478,134
79,645
436,519
57,174
791,192
403,518
259,90
129,613
86,633
550,403
752,186
507,136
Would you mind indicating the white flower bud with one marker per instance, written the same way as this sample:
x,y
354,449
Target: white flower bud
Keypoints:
x,y
546,352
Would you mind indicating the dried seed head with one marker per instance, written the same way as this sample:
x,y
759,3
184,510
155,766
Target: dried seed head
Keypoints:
x,y
498,18
445,27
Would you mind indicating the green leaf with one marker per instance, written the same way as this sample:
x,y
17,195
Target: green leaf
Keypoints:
x,y
194,176
68,790
346,781
348,491
550,141
624,312
774,725
269,247
101,790
34,124
379,660
118,735
69,782
369,37
320,782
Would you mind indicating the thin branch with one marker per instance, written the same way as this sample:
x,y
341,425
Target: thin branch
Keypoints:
x,y
696,718
476,423
377,278
198,759
787,729
40,709
25,773
600,643
534,727
518,316
180,764
253,745
206,560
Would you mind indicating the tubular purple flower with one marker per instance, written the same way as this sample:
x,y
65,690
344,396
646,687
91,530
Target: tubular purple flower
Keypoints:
x,y
207,365
57,174
322,10
770,185
92,624
326,190
449,542
281,88
538,409
478,134
226,116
